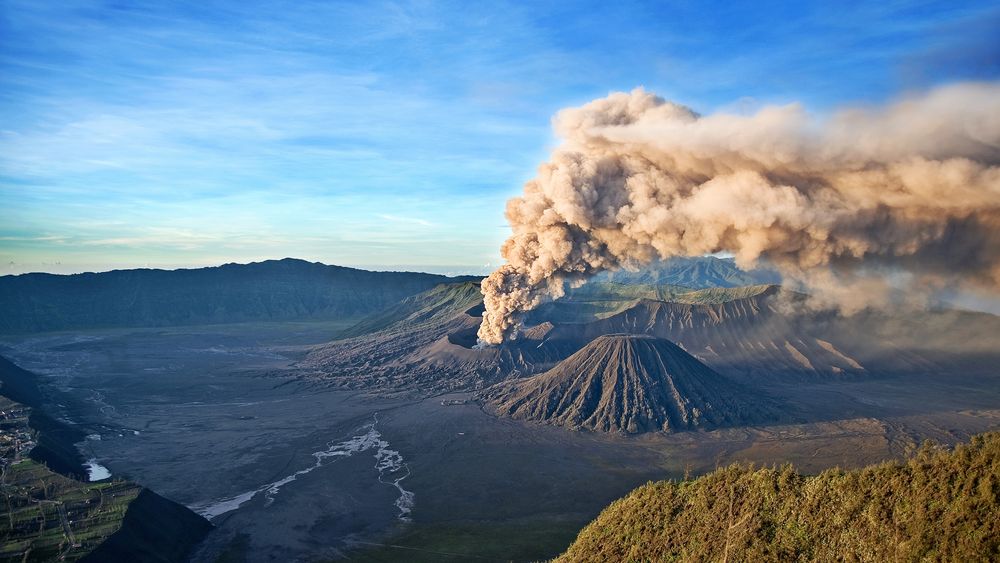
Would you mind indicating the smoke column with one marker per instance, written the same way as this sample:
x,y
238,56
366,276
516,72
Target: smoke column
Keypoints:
x,y
909,191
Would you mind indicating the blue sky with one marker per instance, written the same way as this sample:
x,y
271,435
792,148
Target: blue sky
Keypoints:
x,y
384,134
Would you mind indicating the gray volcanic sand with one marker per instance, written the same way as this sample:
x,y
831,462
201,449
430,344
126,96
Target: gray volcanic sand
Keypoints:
x,y
204,415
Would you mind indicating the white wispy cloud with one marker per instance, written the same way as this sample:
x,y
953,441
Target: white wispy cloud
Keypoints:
x,y
409,220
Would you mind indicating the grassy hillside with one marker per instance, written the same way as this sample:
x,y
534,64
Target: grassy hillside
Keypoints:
x,y
939,506
50,517
265,291
441,302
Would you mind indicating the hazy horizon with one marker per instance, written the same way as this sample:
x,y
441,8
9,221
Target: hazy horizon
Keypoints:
x,y
443,269
69,269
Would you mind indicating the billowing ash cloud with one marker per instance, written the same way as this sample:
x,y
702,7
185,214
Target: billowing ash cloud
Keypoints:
x,y
912,189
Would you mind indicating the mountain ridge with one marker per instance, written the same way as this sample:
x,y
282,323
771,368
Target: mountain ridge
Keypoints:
x,y
272,290
693,272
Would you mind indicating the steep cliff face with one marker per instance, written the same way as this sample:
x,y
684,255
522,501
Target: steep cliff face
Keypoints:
x,y
631,384
264,291
154,530
51,517
55,439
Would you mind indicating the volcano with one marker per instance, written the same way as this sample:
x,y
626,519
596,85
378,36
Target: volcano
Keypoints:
x,y
631,384
756,335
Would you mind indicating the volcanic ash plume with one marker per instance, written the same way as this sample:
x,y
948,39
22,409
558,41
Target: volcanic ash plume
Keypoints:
x,y
910,191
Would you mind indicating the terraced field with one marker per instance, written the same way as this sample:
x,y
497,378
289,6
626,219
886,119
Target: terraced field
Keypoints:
x,y
50,517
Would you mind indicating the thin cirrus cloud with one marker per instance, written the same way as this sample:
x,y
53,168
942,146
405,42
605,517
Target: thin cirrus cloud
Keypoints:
x,y
376,132
406,220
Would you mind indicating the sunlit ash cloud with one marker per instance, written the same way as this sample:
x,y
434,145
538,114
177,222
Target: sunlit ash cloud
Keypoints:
x,y
912,188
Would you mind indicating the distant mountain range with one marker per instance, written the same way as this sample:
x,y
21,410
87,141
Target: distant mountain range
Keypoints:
x,y
274,290
695,273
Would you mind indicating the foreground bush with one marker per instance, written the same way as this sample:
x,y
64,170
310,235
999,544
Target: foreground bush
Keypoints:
x,y
940,505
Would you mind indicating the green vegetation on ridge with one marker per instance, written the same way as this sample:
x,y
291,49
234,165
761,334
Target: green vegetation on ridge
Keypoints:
x,y
440,302
939,506
50,517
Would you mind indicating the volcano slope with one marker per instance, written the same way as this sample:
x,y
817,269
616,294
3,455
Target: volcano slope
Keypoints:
x,y
745,332
630,384
427,342
769,334
425,345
